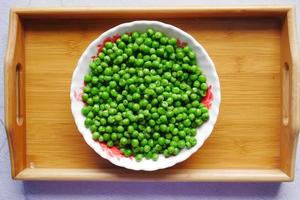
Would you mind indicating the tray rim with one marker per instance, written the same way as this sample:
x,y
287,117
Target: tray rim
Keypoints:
x,y
207,175
21,172
280,10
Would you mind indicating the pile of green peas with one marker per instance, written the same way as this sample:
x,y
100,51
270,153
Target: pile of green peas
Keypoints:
x,y
142,95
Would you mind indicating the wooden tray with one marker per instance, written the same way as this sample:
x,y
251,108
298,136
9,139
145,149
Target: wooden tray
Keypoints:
x,y
253,48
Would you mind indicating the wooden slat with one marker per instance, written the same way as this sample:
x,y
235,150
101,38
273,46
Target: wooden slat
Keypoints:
x,y
15,120
207,175
148,13
290,63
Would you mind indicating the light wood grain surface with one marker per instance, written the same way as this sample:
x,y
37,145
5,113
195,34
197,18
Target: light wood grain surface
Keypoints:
x,y
247,58
247,53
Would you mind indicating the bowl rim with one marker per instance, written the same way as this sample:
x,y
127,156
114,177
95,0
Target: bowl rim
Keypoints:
x,y
137,165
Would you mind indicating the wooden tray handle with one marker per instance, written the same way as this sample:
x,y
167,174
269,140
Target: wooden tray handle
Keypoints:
x,y
19,91
286,94
291,98
14,74
15,94
290,62
297,97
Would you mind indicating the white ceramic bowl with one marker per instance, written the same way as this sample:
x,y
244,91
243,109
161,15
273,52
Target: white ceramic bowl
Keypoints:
x,y
82,68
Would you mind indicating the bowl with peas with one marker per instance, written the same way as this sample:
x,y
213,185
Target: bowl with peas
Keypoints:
x,y
145,95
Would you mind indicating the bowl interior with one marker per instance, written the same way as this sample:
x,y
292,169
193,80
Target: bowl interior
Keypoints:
x,y
203,60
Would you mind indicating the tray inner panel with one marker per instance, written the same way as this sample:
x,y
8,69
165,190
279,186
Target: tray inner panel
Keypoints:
x,y
246,53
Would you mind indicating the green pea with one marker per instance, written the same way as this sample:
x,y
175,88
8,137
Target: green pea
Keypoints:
x,y
155,44
100,139
163,40
139,40
124,37
101,55
172,41
114,136
103,121
154,157
141,136
160,51
182,134
187,123
144,142
107,59
125,122
205,116
181,144
164,104
193,96
176,151
203,86
163,128
106,137
202,78
135,107
108,45
133,88
191,55
130,129
123,141
110,143
122,45
193,141
186,59
139,157
135,35
88,122
108,129
198,122
180,55
169,49
135,143
204,110
147,148
170,149
195,103
144,48
150,32
105,95
90,101
148,155
101,129
127,152
139,62
163,119
173,143
151,122
111,119
85,97
156,135
96,99
192,116
176,90
85,110
157,35
152,51
96,136
87,78
166,153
